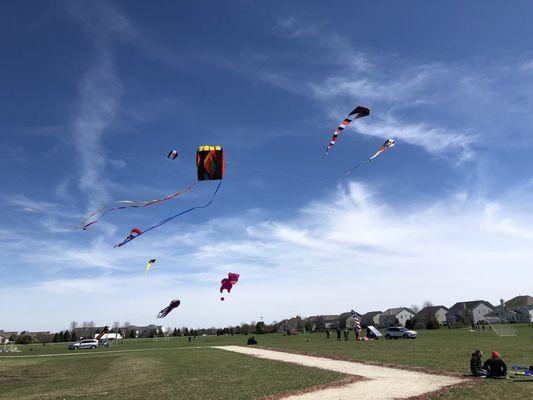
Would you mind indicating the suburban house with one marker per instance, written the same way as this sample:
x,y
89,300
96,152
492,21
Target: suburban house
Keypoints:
x,y
430,314
292,324
502,314
5,336
523,305
395,316
324,321
370,318
468,312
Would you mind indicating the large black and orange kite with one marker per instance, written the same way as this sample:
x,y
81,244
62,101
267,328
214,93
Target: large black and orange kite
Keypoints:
x,y
210,163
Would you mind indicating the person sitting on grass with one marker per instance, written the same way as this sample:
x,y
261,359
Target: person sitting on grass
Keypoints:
x,y
251,341
495,366
475,365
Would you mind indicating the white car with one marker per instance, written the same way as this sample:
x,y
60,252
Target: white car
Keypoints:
x,y
84,344
397,332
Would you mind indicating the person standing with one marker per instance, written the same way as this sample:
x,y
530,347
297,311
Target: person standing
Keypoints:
x,y
338,334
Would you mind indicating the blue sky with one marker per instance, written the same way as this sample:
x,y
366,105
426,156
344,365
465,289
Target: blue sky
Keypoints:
x,y
94,95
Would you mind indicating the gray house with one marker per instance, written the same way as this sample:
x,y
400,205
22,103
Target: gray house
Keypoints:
x,y
468,312
502,314
523,306
395,316
370,318
432,313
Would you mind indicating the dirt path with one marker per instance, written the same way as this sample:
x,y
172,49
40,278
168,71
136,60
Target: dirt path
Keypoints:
x,y
381,383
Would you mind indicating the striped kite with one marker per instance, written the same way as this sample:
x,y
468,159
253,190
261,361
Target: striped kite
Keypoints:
x,y
388,144
358,112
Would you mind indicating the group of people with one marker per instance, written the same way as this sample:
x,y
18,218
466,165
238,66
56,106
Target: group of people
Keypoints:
x,y
346,334
494,367
340,332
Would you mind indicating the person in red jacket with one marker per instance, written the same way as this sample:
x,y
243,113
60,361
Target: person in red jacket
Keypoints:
x,y
495,366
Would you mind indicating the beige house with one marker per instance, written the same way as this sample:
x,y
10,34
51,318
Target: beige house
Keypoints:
x,y
432,313
395,316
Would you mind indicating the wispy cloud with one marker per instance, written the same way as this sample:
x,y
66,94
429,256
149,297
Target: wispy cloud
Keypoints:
x,y
99,92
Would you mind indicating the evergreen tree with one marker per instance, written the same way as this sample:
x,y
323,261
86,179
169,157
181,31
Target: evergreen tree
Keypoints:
x,y
56,338
66,338
61,336
73,336
260,327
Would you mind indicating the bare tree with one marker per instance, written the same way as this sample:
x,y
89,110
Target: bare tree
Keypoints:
x,y
91,325
116,325
85,330
73,326
127,328
415,308
427,303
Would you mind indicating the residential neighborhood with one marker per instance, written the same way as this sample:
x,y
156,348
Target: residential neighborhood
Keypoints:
x,y
519,309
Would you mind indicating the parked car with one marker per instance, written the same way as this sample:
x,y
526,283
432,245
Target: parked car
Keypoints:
x,y
84,344
396,332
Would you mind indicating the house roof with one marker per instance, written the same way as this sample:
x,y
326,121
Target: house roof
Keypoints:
x,y
371,314
498,312
396,311
520,301
431,310
470,305
327,318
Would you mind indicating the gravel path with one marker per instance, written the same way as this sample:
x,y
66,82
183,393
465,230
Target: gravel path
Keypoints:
x,y
381,383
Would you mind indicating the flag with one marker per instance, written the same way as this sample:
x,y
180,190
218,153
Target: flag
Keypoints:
x,y
357,321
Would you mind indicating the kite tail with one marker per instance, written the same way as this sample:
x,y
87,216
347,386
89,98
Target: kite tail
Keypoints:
x,y
140,204
130,238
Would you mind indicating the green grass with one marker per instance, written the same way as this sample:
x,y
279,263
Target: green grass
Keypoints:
x,y
157,368
442,350
167,374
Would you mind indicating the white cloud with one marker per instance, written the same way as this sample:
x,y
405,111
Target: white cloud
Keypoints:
x,y
350,250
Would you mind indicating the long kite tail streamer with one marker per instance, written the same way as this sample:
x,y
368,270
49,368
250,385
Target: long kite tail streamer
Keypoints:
x,y
139,204
358,112
83,223
130,237
388,144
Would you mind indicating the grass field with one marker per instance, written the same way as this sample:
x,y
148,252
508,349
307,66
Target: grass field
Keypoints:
x,y
176,369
